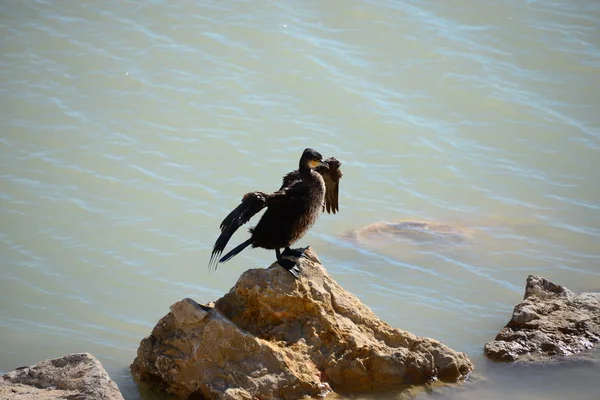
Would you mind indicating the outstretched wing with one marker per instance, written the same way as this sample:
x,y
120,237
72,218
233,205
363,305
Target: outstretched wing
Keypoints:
x,y
331,175
251,204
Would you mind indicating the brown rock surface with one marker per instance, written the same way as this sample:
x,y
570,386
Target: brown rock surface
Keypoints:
x,y
275,337
76,376
551,321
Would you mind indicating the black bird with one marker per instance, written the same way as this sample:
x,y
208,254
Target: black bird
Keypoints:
x,y
291,210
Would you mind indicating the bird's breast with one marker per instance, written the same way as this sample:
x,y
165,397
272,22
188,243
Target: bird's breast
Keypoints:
x,y
314,206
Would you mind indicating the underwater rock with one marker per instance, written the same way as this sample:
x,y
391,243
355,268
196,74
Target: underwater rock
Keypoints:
x,y
419,231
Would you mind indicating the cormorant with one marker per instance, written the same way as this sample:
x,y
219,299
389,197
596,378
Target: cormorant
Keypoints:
x,y
291,210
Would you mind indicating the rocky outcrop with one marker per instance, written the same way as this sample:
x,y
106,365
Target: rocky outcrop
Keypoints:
x,y
273,336
75,377
551,321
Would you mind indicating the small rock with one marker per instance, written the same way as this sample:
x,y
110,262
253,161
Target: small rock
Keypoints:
x,y
551,321
74,376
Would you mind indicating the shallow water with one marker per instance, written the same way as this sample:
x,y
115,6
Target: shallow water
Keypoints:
x,y
130,129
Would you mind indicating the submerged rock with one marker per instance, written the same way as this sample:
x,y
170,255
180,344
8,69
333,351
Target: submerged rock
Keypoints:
x,y
74,376
551,321
384,232
273,336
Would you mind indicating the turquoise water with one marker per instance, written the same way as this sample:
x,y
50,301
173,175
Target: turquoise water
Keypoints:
x,y
130,129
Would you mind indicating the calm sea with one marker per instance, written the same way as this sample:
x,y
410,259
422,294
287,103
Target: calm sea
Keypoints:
x,y
129,129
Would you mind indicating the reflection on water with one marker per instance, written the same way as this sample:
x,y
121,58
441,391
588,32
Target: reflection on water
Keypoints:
x,y
129,130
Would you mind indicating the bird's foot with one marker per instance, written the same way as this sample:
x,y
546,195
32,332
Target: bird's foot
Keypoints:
x,y
299,252
290,266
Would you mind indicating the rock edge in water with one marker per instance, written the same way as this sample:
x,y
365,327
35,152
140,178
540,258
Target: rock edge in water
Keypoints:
x,y
74,376
551,321
275,337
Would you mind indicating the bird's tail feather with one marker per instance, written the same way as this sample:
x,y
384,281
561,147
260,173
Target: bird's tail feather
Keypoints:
x,y
237,249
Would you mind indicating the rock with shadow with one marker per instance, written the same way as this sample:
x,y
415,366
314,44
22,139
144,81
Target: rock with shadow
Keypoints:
x,y
551,322
273,336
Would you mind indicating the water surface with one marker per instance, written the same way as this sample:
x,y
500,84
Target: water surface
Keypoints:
x,y
130,129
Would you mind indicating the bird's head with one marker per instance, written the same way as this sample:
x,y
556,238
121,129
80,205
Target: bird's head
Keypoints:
x,y
311,159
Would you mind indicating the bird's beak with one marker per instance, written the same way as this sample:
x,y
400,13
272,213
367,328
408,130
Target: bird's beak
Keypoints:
x,y
320,163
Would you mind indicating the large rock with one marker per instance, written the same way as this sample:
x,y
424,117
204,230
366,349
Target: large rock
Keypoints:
x,y
551,321
275,337
77,376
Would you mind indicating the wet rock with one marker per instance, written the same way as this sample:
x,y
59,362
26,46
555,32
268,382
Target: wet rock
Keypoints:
x,y
76,376
275,337
551,321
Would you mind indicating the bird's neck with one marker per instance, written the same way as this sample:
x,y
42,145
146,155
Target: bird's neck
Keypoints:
x,y
304,170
